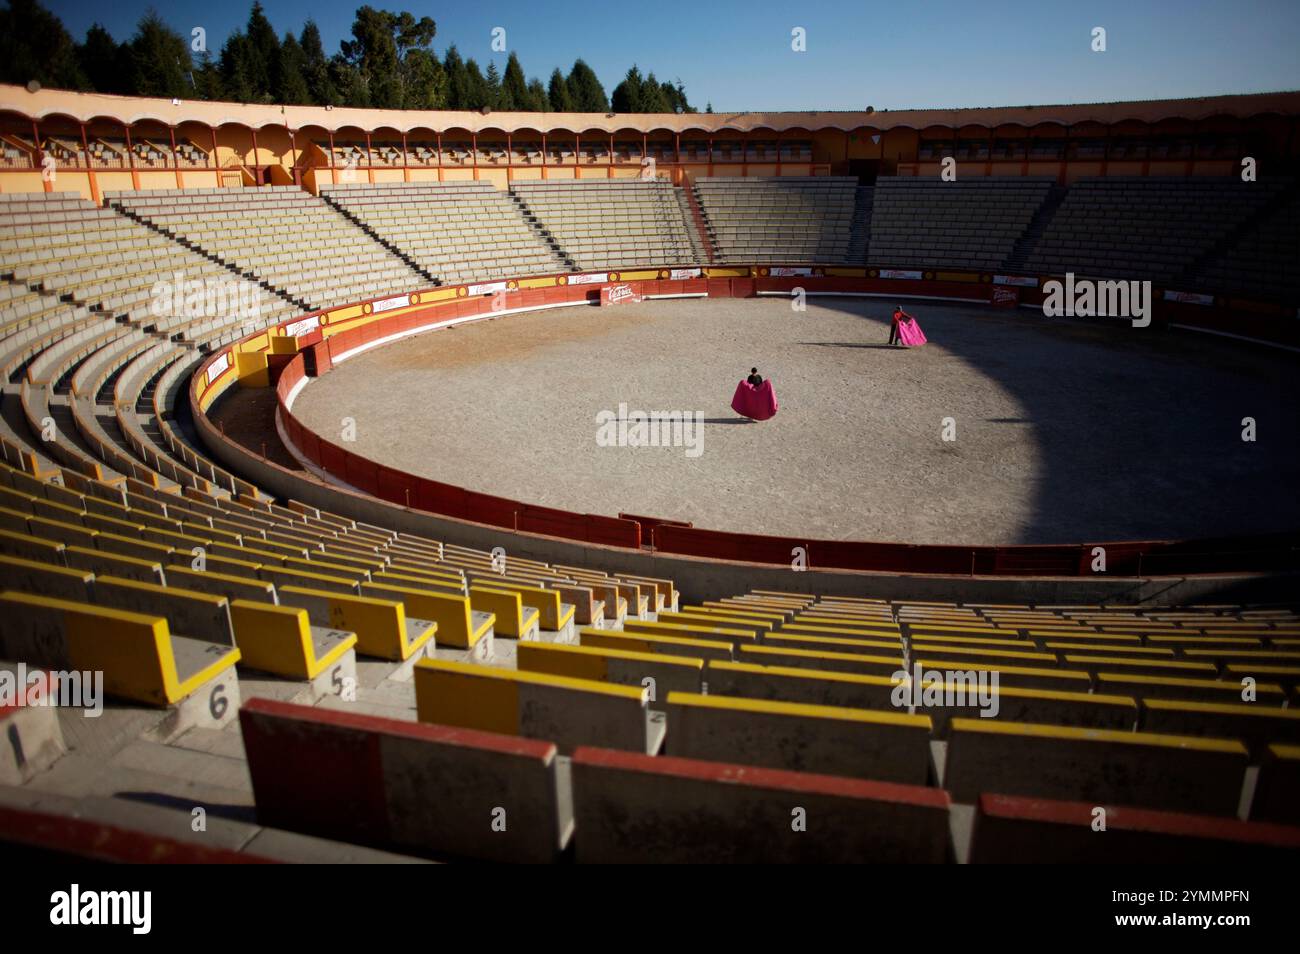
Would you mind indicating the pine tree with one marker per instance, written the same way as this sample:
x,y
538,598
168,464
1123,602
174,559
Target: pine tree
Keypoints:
x,y
160,60
628,95
457,80
537,101
235,72
262,55
207,79
35,46
104,62
514,87
558,93
653,99
316,67
290,74
585,90
493,83
424,81
477,94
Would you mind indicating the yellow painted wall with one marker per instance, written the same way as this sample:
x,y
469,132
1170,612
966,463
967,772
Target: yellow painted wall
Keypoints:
x,y
78,182
198,179
155,179
114,181
22,181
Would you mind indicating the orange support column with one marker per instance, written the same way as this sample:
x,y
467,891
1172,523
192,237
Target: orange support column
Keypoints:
x,y
90,173
39,156
176,162
130,158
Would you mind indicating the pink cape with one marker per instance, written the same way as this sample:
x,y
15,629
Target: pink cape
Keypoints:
x,y
910,333
758,403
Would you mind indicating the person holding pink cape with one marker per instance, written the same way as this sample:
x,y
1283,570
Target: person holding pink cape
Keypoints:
x,y
905,330
755,398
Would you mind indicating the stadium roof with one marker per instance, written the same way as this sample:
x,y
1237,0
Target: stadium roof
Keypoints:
x,y
85,107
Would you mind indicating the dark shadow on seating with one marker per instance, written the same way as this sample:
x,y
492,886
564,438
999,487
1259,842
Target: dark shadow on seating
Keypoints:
x,y
1008,420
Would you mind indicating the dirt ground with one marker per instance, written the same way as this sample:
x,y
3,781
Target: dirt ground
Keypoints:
x,y
1064,430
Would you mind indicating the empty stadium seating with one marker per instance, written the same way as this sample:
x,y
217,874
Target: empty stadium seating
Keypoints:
x,y
454,231
968,223
1258,259
790,219
614,223
298,244
332,676
1149,228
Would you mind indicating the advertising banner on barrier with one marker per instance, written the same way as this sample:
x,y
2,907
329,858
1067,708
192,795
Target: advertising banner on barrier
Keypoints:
x,y
621,294
901,273
303,327
1020,281
219,366
388,304
487,288
787,271
681,274
1191,298
589,279
1005,297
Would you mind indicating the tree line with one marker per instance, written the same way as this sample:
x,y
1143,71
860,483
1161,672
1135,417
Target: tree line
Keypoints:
x,y
388,63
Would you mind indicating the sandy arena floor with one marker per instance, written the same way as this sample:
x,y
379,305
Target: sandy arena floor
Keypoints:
x,y
1065,431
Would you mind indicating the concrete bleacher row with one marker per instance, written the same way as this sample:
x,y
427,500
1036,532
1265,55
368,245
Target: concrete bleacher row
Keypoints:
x,y
970,223
568,735
790,219
68,264
1219,234
611,223
456,231
295,242
1259,260
1150,228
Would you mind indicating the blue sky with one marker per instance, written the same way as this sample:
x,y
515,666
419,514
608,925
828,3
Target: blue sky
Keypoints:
x,y
906,53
